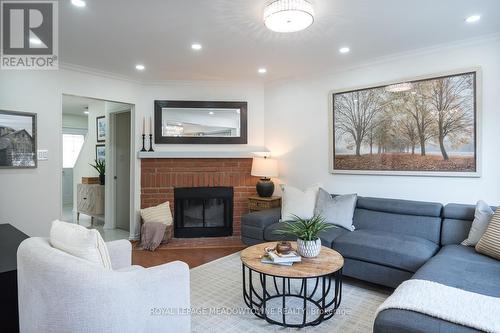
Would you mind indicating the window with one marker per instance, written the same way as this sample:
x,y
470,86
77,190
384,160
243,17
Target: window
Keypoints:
x,y
72,145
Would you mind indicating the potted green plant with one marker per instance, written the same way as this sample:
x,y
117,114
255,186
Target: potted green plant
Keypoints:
x,y
100,167
307,233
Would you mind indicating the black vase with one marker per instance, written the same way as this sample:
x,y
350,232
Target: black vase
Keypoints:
x,y
265,187
102,179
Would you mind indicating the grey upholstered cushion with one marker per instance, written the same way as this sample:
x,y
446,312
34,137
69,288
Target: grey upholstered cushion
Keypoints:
x,y
386,248
404,207
462,267
262,218
270,233
482,217
413,225
338,210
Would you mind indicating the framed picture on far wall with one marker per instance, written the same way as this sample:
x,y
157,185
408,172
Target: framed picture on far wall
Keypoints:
x,y
101,128
426,126
17,140
100,152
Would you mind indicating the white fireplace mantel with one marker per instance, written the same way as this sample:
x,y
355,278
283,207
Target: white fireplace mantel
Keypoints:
x,y
240,152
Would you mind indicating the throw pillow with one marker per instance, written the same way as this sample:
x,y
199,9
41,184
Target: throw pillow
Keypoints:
x,y
489,244
80,242
158,214
338,210
482,218
298,202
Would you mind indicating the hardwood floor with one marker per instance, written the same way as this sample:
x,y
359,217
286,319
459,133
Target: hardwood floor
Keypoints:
x,y
194,252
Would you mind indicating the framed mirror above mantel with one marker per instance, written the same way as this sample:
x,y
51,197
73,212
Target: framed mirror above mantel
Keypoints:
x,y
200,122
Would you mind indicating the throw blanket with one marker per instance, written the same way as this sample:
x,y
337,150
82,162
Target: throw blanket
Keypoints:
x,y
455,305
152,235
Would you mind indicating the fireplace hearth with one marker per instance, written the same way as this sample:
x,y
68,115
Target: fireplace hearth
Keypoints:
x,y
203,212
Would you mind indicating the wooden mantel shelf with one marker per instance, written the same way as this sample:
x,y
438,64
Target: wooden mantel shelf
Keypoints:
x,y
231,152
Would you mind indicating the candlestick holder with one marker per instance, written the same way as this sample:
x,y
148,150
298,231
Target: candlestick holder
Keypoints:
x,y
143,142
150,142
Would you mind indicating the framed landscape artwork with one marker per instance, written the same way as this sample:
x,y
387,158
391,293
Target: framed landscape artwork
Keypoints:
x,y
17,140
101,128
425,127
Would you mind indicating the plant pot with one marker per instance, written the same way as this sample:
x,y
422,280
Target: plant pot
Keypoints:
x,y
309,249
102,179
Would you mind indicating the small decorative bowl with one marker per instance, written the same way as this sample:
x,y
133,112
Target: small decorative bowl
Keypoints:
x,y
284,247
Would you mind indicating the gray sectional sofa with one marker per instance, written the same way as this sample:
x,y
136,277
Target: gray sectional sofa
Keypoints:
x,y
397,240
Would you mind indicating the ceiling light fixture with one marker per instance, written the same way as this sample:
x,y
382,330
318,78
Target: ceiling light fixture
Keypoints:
x,y
211,113
344,49
262,71
196,46
79,3
473,18
288,15
140,67
399,87
86,112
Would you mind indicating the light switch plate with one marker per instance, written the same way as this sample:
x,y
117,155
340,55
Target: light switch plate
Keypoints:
x,y
43,155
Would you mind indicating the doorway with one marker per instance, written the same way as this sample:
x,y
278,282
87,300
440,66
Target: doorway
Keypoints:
x,y
93,131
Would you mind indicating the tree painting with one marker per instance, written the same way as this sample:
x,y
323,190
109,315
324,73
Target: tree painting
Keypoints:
x,y
424,126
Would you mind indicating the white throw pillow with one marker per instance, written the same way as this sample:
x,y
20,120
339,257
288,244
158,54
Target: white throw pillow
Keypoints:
x,y
298,202
158,214
338,210
80,242
482,218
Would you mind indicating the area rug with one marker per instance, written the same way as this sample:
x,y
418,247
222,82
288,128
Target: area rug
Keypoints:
x,y
218,306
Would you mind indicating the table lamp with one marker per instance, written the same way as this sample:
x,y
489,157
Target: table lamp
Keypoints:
x,y
265,168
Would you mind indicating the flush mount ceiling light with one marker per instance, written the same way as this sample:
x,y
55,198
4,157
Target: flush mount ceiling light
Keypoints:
x,y
78,3
262,71
344,49
196,46
399,87
288,15
473,18
140,67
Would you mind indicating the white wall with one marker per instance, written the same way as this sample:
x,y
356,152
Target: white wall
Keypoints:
x,y
30,199
74,121
296,126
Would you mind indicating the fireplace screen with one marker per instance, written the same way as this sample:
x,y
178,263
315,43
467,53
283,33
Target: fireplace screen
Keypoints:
x,y
203,212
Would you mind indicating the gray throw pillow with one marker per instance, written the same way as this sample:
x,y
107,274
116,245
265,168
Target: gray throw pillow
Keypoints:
x,y
338,210
482,217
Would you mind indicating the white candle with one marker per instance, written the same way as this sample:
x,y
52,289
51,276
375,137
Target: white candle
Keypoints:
x,y
143,125
150,126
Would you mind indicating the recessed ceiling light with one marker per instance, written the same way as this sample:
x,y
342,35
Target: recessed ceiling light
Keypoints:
x,y
78,3
196,46
86,112
140,67
211,113
344,49
262,71
473,18
288,16
35,41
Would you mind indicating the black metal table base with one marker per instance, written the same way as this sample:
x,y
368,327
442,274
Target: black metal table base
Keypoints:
x,y
316,299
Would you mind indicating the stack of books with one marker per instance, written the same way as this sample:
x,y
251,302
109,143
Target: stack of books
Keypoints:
x,y
273,257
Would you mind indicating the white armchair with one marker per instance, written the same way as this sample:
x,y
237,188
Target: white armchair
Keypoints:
x,y
59,292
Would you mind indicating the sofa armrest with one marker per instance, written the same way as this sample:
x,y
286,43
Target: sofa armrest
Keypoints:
x,y
120,252
262,218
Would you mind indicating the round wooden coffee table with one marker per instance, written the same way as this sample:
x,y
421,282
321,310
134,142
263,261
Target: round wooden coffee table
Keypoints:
x,y
300,295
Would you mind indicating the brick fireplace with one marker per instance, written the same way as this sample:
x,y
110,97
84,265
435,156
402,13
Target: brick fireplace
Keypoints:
x,y
159,177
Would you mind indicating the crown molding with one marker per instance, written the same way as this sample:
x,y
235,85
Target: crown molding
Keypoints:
x,y
485,39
